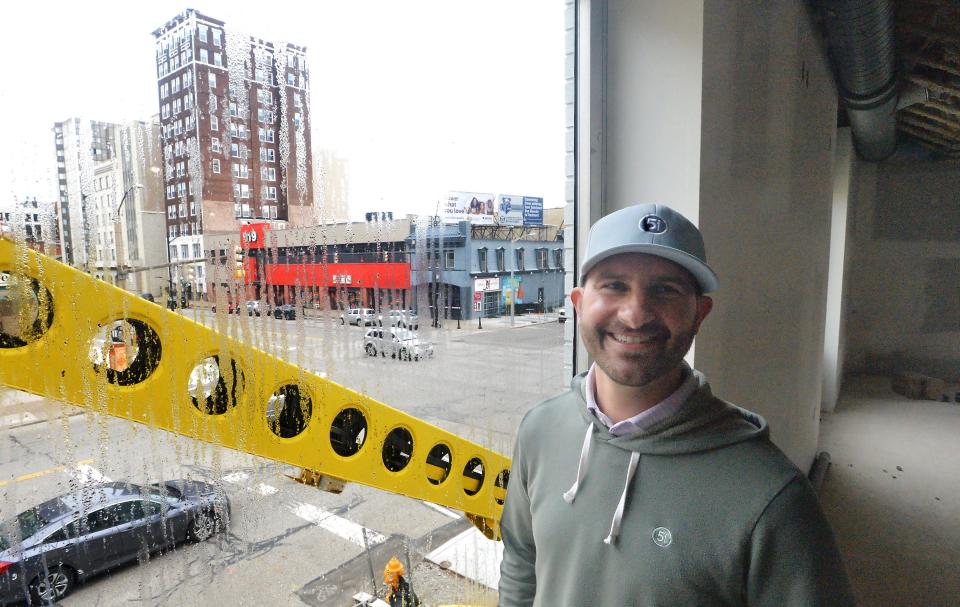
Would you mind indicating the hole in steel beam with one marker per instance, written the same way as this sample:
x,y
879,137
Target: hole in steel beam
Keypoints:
x,y
348,432
397,449
439,462
289,410
473,476
127,350
501,486
26,310
214,391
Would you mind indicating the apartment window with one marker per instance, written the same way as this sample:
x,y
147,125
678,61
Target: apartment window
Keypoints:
x,y
193,208
448,260
172,212
202,31
267,155
172,233
184,251
240,170
164,90
291,60
271,193
235,150
215,145
297,101
297,119
291,79
501,259
266,134
558,258
213,103
216,38
175,86
241,190
196,251
204,57
214,123
482,259
263,97
215,165
212,79
182,208
218,59
233,109
542,259
519,262
187,79
268,173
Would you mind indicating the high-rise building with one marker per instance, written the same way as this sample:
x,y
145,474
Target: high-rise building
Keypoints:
x,y
111,205
33,221
235,125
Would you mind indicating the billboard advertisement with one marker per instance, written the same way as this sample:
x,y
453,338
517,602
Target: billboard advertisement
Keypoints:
x,y
520,210
475,207
488,209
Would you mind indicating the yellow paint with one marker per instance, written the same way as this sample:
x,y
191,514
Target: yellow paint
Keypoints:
x,y
33,475
56,364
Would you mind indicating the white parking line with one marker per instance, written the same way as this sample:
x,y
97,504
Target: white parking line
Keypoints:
x,y
236,477
263,489
348,530
441,509
85,473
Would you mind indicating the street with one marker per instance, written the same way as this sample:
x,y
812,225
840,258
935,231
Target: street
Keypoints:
x,y
290,544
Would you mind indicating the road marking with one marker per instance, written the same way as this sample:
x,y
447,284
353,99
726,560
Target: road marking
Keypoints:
x,y
236,477
441,509
33,475
263,489
85,473
348,530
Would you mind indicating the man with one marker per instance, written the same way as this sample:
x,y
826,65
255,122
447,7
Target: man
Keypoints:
x,y
638,486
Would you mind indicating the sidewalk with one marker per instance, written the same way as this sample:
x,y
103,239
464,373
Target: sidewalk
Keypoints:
x,y
23,409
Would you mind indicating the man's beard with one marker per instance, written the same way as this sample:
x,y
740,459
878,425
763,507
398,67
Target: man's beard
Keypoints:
x,y
640,369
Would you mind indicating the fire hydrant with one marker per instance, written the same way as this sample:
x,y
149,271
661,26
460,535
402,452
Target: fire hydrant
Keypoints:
x,y
399,593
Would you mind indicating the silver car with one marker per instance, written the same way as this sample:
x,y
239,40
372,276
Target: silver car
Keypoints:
x,y
48,549
397,343
359,316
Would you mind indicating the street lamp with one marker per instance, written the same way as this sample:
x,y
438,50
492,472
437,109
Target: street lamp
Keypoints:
x,y
118,237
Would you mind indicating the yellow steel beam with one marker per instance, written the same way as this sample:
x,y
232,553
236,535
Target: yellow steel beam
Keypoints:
x,y
261,405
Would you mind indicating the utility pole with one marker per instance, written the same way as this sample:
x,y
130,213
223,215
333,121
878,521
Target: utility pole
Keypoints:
x,y
118,236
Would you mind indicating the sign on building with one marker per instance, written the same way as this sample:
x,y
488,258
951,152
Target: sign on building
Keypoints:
x,y
486,284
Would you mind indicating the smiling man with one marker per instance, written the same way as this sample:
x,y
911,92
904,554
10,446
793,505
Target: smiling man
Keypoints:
x,y
638,486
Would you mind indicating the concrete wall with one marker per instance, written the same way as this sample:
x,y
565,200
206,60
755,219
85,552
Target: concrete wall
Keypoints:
x,y
904,296
767,146
844,192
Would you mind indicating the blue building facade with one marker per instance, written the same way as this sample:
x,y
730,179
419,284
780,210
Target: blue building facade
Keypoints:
x,y
465,271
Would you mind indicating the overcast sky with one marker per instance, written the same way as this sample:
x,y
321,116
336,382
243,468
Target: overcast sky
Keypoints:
x,y
420,97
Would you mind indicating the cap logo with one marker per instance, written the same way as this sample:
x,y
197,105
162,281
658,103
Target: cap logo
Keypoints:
x,y
653,224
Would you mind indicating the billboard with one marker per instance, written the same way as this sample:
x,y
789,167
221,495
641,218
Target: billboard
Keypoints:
x,y
474,207
486,284
488,209
520,210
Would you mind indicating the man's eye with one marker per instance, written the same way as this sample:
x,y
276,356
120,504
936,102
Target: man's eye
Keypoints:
x,y
665,290
613,286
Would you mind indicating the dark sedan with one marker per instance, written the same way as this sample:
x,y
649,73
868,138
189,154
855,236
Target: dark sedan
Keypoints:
x,y
48,549
285,311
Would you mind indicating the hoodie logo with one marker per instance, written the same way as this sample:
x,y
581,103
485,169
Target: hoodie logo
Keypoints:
x,y
662,537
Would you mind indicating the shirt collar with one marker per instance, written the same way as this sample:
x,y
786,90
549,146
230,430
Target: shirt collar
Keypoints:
x,y
654,415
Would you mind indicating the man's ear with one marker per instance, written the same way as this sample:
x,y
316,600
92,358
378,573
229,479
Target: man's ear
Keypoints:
x,y
576,297
704,306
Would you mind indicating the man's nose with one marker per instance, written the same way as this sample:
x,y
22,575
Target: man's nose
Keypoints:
x,y
636,310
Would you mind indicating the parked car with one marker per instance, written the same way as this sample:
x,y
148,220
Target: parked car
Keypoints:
x,y
562,315
253,307
398,343
359,316
287,311
47,550
405,319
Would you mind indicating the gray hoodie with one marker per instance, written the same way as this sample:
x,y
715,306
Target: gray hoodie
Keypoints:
x,y
701,509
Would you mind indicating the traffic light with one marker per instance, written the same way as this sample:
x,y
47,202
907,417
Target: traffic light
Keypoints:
x,y
238,259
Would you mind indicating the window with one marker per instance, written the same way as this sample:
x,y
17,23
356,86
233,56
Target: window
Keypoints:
x,y
542,259
214,123
482,259
240,170
215,145
215,165
202,31
448,260
216,38
267,155
213,103
111,516
212,79
558,258
218,59
173,250
172,233
268,173
193,208
182,208
297,101
172,212
233,109
271,193
266,134
297,119
501,260
184,251
519,263
175,86
204,58
235,150
241,190
196,251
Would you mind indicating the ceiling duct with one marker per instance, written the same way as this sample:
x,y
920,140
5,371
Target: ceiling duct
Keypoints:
x,y
860,36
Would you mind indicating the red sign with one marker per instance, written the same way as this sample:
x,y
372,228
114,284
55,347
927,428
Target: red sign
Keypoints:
x,y
253,236
352,275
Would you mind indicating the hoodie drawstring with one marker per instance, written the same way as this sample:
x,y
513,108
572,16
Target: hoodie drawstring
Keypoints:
x,y
571,493
618,515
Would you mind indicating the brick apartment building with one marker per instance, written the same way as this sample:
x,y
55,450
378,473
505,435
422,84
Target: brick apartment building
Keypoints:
x,y
235,127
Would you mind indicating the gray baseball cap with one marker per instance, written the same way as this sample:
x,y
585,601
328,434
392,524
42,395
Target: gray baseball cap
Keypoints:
x,y
654,229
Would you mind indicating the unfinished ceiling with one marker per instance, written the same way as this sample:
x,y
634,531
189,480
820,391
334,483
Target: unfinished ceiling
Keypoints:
x,y
928,44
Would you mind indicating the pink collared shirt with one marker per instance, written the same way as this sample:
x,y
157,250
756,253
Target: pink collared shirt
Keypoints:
x,y
654,415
